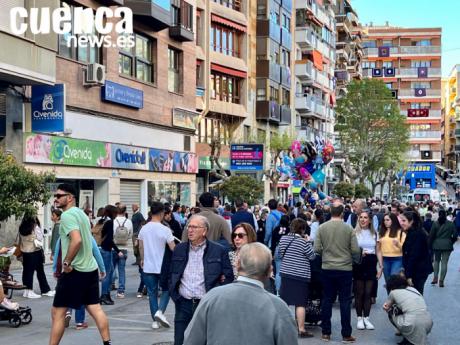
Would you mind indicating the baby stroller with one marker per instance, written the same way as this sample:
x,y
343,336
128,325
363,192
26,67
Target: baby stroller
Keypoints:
x,y
313,308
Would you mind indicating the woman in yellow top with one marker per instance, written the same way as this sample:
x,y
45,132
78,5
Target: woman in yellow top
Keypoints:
x,y
391,239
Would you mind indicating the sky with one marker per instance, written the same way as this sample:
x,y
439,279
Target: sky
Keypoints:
x,y
418,13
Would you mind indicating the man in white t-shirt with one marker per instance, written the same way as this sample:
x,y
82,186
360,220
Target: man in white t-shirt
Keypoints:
x,y
122,233
153,238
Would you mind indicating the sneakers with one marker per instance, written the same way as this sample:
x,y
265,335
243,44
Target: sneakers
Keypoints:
x,y
348,340
161,319
113,287
6,303
120,295
139,295
155,325
30,294
81,326
50,293
326,337
360,324
368,324
106,300
68,317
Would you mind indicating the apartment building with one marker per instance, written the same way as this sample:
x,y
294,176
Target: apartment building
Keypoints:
x,y
349,46
450,115
125,130
408,60
315,37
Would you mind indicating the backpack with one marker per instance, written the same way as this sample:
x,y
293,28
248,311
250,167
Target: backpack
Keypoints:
x,y
121,233
96,231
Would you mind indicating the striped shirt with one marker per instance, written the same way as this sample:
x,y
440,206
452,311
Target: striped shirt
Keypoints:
x,y
296,255
192,282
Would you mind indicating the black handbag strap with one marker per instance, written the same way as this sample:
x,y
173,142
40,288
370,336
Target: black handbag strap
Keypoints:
x,y
289,244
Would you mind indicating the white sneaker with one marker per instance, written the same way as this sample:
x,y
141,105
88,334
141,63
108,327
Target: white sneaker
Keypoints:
x,y
360,324
368,324
155,325
161,318
31,294
50,293
6,303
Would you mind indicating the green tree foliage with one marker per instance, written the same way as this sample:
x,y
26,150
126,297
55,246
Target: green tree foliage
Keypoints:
x,y
371,129
361,191
344,190
242,187
21,190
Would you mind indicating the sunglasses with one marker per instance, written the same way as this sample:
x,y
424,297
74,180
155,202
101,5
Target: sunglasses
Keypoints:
x,y
240,235
58,196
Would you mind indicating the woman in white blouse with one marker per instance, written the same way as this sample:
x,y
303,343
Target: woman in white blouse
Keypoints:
x,y
365,273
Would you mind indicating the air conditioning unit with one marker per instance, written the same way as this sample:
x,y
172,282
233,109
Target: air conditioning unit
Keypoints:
x,y
427,154
94,74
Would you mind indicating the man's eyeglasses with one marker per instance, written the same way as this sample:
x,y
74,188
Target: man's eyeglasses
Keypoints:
x,y
58,196
239,235
195,227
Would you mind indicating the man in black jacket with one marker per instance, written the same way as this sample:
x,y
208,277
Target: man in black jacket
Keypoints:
x,y
197,266
242,215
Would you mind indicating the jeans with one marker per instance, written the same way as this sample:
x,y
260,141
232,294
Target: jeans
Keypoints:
x,y
336,282
441,256
141,283
80,314
108,263
152,281
121,263
277,259
391,266
185,309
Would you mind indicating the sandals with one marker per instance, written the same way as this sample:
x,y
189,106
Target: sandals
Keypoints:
x,y
305,334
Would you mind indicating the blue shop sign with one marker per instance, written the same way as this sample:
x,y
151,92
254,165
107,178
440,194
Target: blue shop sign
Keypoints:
x,y
121,94
48,108
246,157
129,157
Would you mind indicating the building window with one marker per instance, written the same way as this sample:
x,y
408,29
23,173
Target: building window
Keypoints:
x,y
421,85
261,11
387,43
274,94
421,105
225,88
210,129
174,70
199,73
389,85
387,64
422,43
88,54
225,40
420,63
199,28
286,22
285,58
182,14
368,64
286,97
370,44
138,62
235,4
261,94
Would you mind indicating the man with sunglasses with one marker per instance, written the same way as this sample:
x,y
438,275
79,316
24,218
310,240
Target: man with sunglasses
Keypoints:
x,y
198,266
79,283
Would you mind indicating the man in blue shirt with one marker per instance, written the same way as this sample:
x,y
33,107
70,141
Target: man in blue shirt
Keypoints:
x,y
272,222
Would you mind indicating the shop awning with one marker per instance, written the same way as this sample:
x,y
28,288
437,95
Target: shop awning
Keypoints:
x,y
228,70
226,22
318,60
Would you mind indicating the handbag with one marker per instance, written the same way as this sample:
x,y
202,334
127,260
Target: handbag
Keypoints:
x,y
394,311
18,252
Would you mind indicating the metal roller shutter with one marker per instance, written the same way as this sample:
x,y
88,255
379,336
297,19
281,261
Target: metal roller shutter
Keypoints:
x,y
130,193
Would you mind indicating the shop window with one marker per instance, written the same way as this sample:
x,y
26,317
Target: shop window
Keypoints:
x,y
172,192
138,62
88,54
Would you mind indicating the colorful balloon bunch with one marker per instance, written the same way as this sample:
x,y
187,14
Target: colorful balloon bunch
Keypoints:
x,y
306,161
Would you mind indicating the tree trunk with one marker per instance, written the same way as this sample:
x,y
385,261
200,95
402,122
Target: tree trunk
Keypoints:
x,y
389,189
374,187
274,182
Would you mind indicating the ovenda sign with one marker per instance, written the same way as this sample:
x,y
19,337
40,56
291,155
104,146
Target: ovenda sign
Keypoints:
x,y
129,157
48,108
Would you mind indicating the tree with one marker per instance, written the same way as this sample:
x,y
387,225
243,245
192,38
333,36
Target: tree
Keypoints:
x,y
344,190
278,144
21,189
371,129
242,187
361,191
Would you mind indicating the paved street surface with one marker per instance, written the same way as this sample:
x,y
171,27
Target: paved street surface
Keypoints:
x,y
130,319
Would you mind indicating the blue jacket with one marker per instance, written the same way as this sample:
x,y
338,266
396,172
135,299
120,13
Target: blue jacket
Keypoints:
x,y
271,223
243,216
215,263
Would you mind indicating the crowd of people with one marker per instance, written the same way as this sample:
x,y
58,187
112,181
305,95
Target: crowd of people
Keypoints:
x,y
272,253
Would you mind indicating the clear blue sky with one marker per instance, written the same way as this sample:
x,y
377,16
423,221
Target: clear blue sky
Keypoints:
x,y
418,13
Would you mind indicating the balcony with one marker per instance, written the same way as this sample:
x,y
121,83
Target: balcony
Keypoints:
x,y
323,79
155,13
287,5
285,115
410,93
432,113
286,39
457,133
270,70
419,50
268,111
343,77
413,73
305,39
374,52
343,22
426,135
286,77
304,104
267,28
303,70
353,18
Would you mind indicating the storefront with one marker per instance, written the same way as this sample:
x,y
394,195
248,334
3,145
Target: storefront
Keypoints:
x,y
421,175
203,179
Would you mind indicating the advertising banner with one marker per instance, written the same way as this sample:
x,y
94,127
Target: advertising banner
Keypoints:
x,y
48,108
204,162
172,161
41,148
121,94
130,157
184,118
247,156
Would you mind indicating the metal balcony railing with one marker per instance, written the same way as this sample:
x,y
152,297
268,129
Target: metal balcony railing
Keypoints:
x,y
411,93
425,134
409,50
413,72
